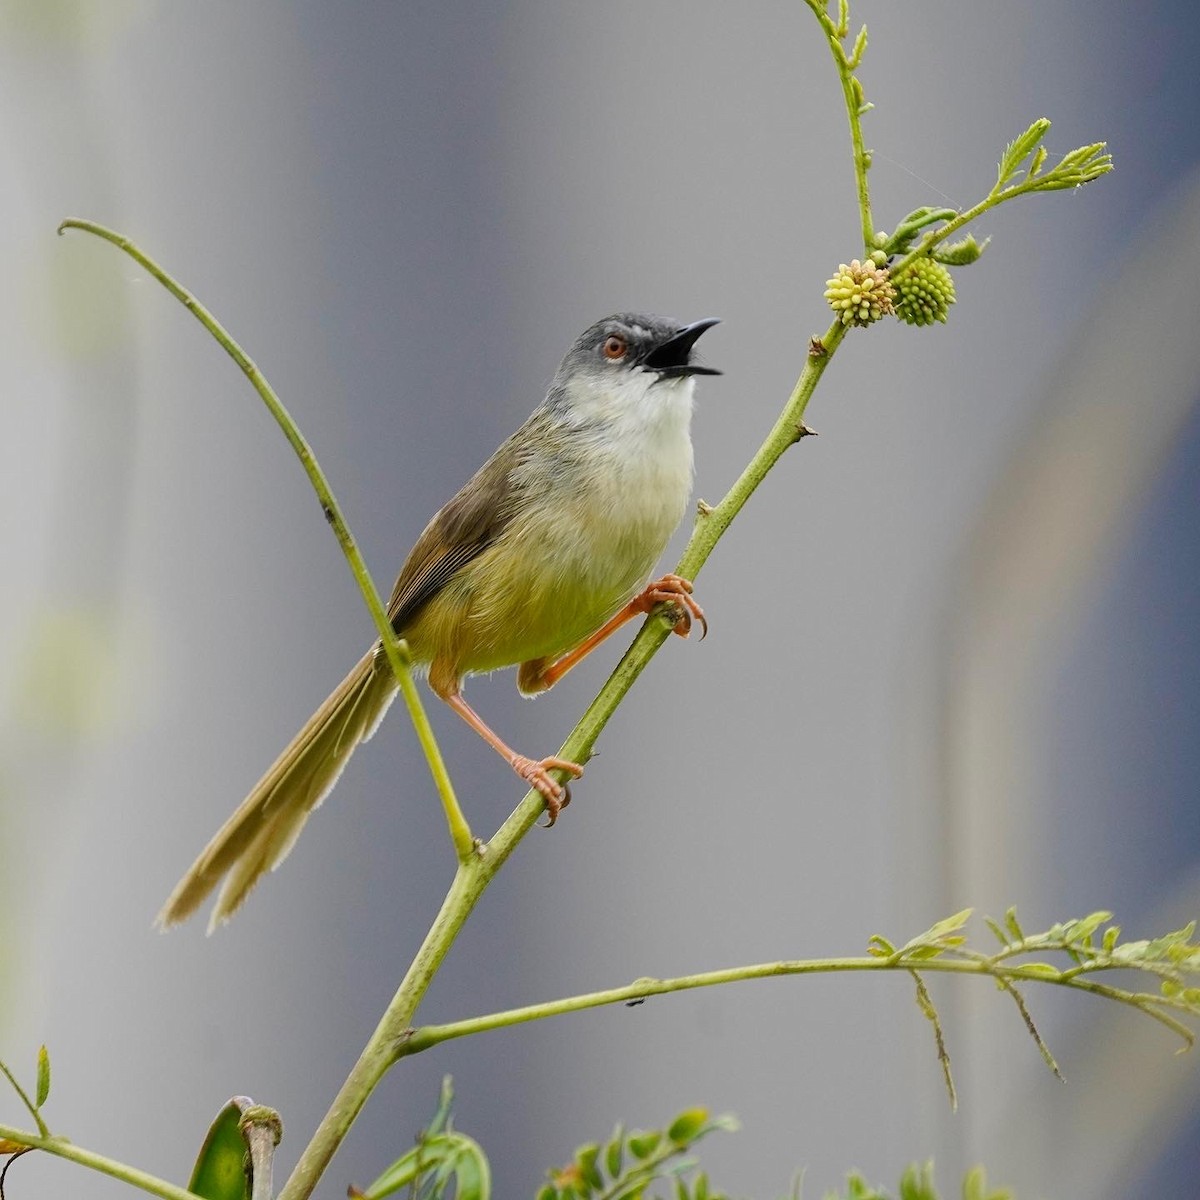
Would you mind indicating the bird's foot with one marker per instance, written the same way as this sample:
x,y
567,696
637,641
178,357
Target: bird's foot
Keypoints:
x,y
536,772
677,592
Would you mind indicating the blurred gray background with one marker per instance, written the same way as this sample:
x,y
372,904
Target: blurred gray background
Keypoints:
x,y
955,639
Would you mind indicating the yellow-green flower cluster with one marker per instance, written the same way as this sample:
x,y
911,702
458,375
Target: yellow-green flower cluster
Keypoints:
x,y
924,292
860,293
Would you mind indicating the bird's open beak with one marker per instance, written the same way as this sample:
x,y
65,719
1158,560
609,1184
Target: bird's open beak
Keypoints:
x,y
672,358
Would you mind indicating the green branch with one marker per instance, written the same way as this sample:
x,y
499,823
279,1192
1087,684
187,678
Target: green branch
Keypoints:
x,y
97,1162
914,960
856,102
33,1109
1172,960
394,648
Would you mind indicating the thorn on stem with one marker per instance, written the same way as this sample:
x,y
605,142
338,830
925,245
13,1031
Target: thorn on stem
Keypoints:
x,y
703,508
803,431
816,347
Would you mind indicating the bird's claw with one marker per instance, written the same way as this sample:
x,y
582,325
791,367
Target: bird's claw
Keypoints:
x,y
677,592
536,772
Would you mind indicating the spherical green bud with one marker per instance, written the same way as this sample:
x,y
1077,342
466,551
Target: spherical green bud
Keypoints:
x,y
924,292
860,293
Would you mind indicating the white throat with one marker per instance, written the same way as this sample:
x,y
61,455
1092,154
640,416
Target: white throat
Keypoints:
x,y
641,409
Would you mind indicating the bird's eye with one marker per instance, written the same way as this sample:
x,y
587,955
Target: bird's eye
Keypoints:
x,y
615,347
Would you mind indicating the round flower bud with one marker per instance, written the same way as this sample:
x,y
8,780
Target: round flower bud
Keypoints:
x,y
924,292
860,293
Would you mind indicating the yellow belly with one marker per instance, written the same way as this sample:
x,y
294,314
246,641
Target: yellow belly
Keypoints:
x,y
535,594
592,523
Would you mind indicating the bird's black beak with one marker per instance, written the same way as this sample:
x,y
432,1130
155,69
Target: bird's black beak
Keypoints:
x,y
672,358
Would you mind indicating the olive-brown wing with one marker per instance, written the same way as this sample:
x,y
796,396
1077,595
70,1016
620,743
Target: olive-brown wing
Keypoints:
x,y
458,533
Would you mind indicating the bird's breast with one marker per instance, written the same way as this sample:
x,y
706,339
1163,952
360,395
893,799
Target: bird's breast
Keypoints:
x,y
593,521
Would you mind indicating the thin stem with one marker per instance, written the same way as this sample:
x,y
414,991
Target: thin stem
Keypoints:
x,y
394,648
428,1036
855,107
97,1162
43,1128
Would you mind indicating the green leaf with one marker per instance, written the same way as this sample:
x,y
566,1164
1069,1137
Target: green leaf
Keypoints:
x,y
923,953
687,1125
917,1183
585,1160
960,254
1019,149
632,1189
1160,946
614,1153
1010,918
1073,170
43,1077
472,1174
1001,936
1041,970
1130,952
643,1143
949,925
880,947
1111,934
220,1171
1078,931
975,1187
857,1188
441,1118
860,48
439,1158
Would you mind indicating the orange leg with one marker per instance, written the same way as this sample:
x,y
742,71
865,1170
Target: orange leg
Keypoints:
x,y
535,773
670,589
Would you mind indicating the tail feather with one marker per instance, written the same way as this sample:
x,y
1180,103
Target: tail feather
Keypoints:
x,y
259,835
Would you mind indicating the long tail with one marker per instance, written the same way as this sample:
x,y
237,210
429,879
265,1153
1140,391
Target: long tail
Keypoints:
x,y
258,836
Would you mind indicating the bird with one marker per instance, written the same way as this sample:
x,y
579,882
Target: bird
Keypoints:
x,y
540,556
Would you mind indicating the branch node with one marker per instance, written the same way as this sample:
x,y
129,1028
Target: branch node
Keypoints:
x,y
816,347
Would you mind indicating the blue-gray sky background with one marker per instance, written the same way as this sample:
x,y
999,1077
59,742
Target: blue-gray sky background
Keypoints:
x,y
954,642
